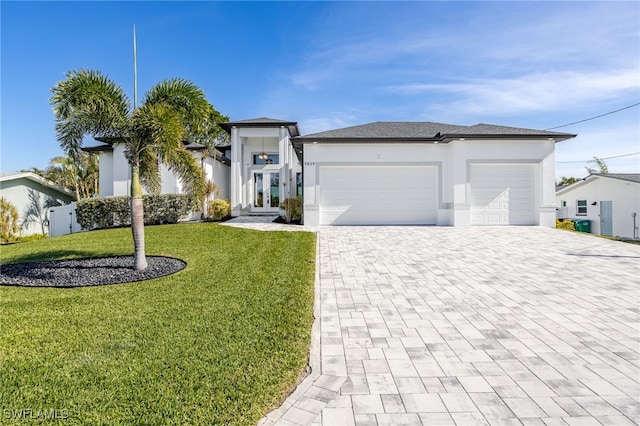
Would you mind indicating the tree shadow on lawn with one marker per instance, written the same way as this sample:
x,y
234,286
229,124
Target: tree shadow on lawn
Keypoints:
x,y
45,254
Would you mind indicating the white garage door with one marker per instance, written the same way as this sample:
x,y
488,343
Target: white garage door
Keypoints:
x,y
378,195
503,194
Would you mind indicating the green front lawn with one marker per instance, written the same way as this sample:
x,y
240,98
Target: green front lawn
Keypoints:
x,y
220,342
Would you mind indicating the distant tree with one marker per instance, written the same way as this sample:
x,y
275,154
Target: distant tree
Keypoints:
x,y
600,164
8,221
567,181
88,103
35,170
77,172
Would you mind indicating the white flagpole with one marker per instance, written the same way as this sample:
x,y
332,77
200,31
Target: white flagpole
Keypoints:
x,y
135,70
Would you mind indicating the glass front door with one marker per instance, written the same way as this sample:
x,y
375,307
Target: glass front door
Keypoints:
x,y
266,191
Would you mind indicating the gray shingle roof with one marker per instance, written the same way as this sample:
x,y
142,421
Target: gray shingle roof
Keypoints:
x,y
631,177
387,130
426,131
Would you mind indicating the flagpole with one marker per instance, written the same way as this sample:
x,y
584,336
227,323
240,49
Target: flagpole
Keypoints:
x,y
135,70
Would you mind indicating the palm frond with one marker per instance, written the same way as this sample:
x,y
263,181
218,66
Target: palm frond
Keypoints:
x,y
189,171
88,103
188,100
149,170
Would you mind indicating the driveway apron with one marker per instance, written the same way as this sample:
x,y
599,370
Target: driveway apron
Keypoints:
x,y
465,326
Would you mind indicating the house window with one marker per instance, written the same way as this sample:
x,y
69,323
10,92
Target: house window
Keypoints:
x,y
299,184
581,209
271,159
564,203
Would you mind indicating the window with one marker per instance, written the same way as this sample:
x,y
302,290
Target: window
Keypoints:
x,y
581,209
564,203
299,184
271,159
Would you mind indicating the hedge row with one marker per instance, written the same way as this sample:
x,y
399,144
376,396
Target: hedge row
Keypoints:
x,y
111,212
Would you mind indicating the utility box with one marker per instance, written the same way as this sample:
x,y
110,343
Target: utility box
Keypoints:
x,y
582,225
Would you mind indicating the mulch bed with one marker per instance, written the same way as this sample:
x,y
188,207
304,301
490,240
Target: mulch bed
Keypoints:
x,y
86,272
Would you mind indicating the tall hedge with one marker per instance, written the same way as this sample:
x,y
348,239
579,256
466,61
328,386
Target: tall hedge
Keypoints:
x,y
111,212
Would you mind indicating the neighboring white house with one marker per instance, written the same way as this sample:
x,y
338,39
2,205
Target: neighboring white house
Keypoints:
x,y
24,189
610,201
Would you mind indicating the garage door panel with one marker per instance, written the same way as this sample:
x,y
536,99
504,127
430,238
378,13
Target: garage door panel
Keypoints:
x,y
503,194
377,195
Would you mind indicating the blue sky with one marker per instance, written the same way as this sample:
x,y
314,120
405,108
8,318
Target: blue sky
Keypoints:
x,y
333,64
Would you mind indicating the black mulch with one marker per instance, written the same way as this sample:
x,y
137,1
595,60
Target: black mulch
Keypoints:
x,y
86,272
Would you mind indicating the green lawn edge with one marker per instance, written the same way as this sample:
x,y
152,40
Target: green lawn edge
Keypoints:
x,y
221,342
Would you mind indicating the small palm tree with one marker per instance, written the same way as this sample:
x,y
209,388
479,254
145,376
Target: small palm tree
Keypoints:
x,y
87,103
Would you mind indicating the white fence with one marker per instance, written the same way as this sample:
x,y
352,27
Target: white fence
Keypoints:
x,y
62,220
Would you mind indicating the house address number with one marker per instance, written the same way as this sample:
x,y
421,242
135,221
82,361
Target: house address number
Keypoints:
x,y
309,163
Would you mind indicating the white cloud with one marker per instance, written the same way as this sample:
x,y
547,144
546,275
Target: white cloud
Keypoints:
x,y
321,124
552,91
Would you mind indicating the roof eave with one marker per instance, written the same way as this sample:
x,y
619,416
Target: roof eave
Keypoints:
x,y
556,138
292,126
99,148
42,181
302,140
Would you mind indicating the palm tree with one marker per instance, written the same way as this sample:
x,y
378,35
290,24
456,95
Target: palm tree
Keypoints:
x,y
87,103
77,172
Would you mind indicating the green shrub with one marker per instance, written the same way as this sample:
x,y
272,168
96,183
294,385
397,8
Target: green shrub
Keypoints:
x,y
565,224
219,209
111,212
8,221
292,209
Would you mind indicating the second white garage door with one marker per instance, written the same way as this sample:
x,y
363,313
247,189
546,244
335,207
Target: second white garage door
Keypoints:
x,y
378,195
503,194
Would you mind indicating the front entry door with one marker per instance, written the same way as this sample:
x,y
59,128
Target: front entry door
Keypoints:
x,y
606,218
266,191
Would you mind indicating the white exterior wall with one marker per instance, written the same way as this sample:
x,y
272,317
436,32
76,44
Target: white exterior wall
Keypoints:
x,y
453,161
245,142
624,195
221,177
105,172
121,172
169,182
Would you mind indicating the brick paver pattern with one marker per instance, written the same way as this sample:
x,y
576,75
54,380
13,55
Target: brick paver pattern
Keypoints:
x,y
481,325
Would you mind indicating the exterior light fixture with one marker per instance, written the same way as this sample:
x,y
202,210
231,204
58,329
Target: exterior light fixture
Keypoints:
x,y
263,155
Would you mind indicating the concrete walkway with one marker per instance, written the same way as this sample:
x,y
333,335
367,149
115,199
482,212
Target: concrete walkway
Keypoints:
x,y
464,326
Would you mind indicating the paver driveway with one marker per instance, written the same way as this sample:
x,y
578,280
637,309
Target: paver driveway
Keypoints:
x,y
438,325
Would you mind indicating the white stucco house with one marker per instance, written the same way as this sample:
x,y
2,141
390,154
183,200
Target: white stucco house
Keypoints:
x,y
382,173
115,172
610,201
265,168
23,189
429,174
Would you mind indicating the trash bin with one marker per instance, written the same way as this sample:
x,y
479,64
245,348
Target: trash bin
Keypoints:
x,y
582,225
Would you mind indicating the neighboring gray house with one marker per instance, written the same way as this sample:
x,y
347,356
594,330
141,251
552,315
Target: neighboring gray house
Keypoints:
x,y
610,201
24,189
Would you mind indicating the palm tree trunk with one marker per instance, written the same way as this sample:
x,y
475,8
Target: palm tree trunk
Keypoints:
x,y
137,221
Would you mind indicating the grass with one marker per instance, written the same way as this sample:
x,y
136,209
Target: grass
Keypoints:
x,y
220,342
